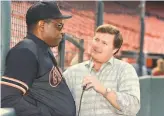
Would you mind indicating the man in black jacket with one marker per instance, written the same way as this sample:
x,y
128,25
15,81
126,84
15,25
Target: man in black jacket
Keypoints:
x,y
32,83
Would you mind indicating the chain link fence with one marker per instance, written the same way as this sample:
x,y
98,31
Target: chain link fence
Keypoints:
x,y
124,15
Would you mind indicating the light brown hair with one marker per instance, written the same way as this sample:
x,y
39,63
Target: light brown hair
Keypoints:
x,y
110,29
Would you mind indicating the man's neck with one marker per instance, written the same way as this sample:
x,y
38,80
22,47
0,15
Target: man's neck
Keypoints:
x,y
97,65
37,34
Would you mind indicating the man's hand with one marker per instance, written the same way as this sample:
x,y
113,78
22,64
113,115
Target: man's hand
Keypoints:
x,y
92,82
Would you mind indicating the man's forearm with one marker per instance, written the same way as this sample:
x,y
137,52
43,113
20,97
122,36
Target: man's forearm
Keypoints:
x,y
124,103
111,97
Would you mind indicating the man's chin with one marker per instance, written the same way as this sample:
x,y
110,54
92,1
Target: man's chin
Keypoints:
x,y
54,45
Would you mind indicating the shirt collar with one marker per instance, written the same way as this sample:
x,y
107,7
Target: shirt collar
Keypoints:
x,y
89,64
38,41
111,60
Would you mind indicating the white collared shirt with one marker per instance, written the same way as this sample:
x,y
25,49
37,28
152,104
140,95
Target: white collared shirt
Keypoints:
x,y
118,75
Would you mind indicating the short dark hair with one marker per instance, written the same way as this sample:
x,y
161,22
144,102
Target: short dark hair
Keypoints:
x,y
110,29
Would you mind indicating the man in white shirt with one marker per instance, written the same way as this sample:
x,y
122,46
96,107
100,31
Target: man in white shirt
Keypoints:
x,y
112,86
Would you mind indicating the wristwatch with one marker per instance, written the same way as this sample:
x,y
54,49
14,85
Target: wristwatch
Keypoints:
x,y
107,91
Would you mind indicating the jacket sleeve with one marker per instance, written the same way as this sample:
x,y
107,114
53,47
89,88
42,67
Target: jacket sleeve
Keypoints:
x,y
20,71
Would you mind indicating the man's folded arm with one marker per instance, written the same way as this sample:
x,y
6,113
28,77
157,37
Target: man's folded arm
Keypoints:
x,y
20,71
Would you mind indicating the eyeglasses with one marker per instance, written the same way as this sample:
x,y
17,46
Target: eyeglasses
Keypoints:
x,y
59,26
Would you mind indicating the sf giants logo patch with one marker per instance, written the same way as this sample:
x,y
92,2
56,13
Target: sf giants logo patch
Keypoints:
x,y
55,77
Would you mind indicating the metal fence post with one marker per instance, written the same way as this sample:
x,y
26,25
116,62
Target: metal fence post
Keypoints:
x,y
99,13
5,31
141,59
81,53
61,50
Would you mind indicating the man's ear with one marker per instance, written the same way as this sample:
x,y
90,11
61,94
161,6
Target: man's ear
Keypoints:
x,y
41,25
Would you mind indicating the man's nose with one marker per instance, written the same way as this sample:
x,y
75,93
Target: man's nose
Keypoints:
x,y
96,46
